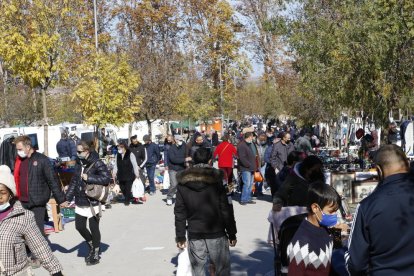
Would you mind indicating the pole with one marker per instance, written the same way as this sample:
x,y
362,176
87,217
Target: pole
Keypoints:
x,y
221,101
96,24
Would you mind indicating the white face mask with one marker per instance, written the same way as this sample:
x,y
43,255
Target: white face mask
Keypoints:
x,y
120,151
179,143
4,206
22,154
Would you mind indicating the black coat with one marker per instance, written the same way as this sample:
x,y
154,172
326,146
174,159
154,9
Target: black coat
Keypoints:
x,y
63,148
294,190
176,157
203,204
8,153
140,153
97,174
247,159
42,181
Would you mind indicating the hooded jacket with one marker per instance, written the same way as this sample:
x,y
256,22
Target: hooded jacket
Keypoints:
x,y
294,190
97,173
203,205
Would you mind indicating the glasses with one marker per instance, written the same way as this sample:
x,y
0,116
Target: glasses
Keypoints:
x,y
79,152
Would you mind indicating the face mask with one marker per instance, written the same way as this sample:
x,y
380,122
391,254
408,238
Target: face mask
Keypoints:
x,y
248,142
120,151
80,156
22,154
287,142
179,143
262,143
328,220
4,206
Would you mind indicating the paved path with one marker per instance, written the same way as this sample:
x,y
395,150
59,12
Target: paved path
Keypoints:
x,y
139,240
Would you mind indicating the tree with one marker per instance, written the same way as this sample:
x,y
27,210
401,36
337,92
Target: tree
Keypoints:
x,y
355,55
149,34
105,91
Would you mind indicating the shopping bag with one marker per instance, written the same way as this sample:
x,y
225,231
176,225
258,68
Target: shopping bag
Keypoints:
x,y
166,180
215,164
184,265
137,188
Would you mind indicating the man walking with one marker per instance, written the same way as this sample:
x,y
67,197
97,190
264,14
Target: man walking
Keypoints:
x,y
382,236
280,153
154,157
247,152
176,163
212,228
35,179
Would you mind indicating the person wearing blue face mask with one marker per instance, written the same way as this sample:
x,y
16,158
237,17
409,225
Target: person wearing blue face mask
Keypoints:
x,y
310,250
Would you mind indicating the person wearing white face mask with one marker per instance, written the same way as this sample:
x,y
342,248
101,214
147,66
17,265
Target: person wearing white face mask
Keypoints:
x,y
17,229
176,163
35,179
126,170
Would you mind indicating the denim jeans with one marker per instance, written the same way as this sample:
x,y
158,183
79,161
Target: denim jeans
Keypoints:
x,y
247,178
259,185
151,174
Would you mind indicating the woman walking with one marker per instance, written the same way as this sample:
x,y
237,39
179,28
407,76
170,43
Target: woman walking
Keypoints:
x,y
17,229
89,169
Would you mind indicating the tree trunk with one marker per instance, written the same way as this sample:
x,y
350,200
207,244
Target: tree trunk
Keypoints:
x,y
149,123
3,73
129,132
45,123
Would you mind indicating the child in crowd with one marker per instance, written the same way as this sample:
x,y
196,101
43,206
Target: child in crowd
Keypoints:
x,y
310,250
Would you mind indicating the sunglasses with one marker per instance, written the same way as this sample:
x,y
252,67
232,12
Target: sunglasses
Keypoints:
x,y
79,152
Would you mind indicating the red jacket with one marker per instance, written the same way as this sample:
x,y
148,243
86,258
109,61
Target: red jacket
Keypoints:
x,y
225,152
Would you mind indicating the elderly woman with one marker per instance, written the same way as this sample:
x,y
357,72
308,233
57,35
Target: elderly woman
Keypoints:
x,y
17,229
89,169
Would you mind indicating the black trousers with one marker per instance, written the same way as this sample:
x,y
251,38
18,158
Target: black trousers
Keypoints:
x,y
126,187
271,178
94,234
40,216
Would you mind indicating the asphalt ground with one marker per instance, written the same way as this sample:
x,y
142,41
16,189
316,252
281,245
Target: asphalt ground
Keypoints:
x,y
139,240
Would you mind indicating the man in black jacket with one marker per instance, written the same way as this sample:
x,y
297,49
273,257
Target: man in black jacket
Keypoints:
x,y
154,156
176,163
382,236
247,152
140,153
211,228
35,179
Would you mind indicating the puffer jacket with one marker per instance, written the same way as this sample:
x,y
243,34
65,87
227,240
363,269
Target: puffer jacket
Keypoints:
x,y
203,186
97,174
42,180
16,230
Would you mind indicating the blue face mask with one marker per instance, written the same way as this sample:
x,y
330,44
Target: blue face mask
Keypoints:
x,y
328,220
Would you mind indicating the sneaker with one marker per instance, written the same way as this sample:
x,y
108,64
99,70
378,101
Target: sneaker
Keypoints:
x,y
251,202
169,202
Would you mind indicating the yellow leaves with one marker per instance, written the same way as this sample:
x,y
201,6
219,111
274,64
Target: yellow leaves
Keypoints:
x,y
106,90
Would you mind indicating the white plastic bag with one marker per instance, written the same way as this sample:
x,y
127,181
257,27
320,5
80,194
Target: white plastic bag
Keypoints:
x,y
166,180
184,265
215,164
137,188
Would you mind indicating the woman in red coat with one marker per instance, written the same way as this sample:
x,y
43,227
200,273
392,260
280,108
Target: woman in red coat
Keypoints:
x,y
225,152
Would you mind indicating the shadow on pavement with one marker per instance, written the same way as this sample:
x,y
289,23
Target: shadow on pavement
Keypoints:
x,y
257,263
82,248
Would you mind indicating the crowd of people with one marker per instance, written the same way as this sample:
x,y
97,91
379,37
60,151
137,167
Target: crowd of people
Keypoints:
x,y
209,171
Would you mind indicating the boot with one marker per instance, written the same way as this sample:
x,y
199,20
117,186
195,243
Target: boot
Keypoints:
x,y
94,259
90,248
